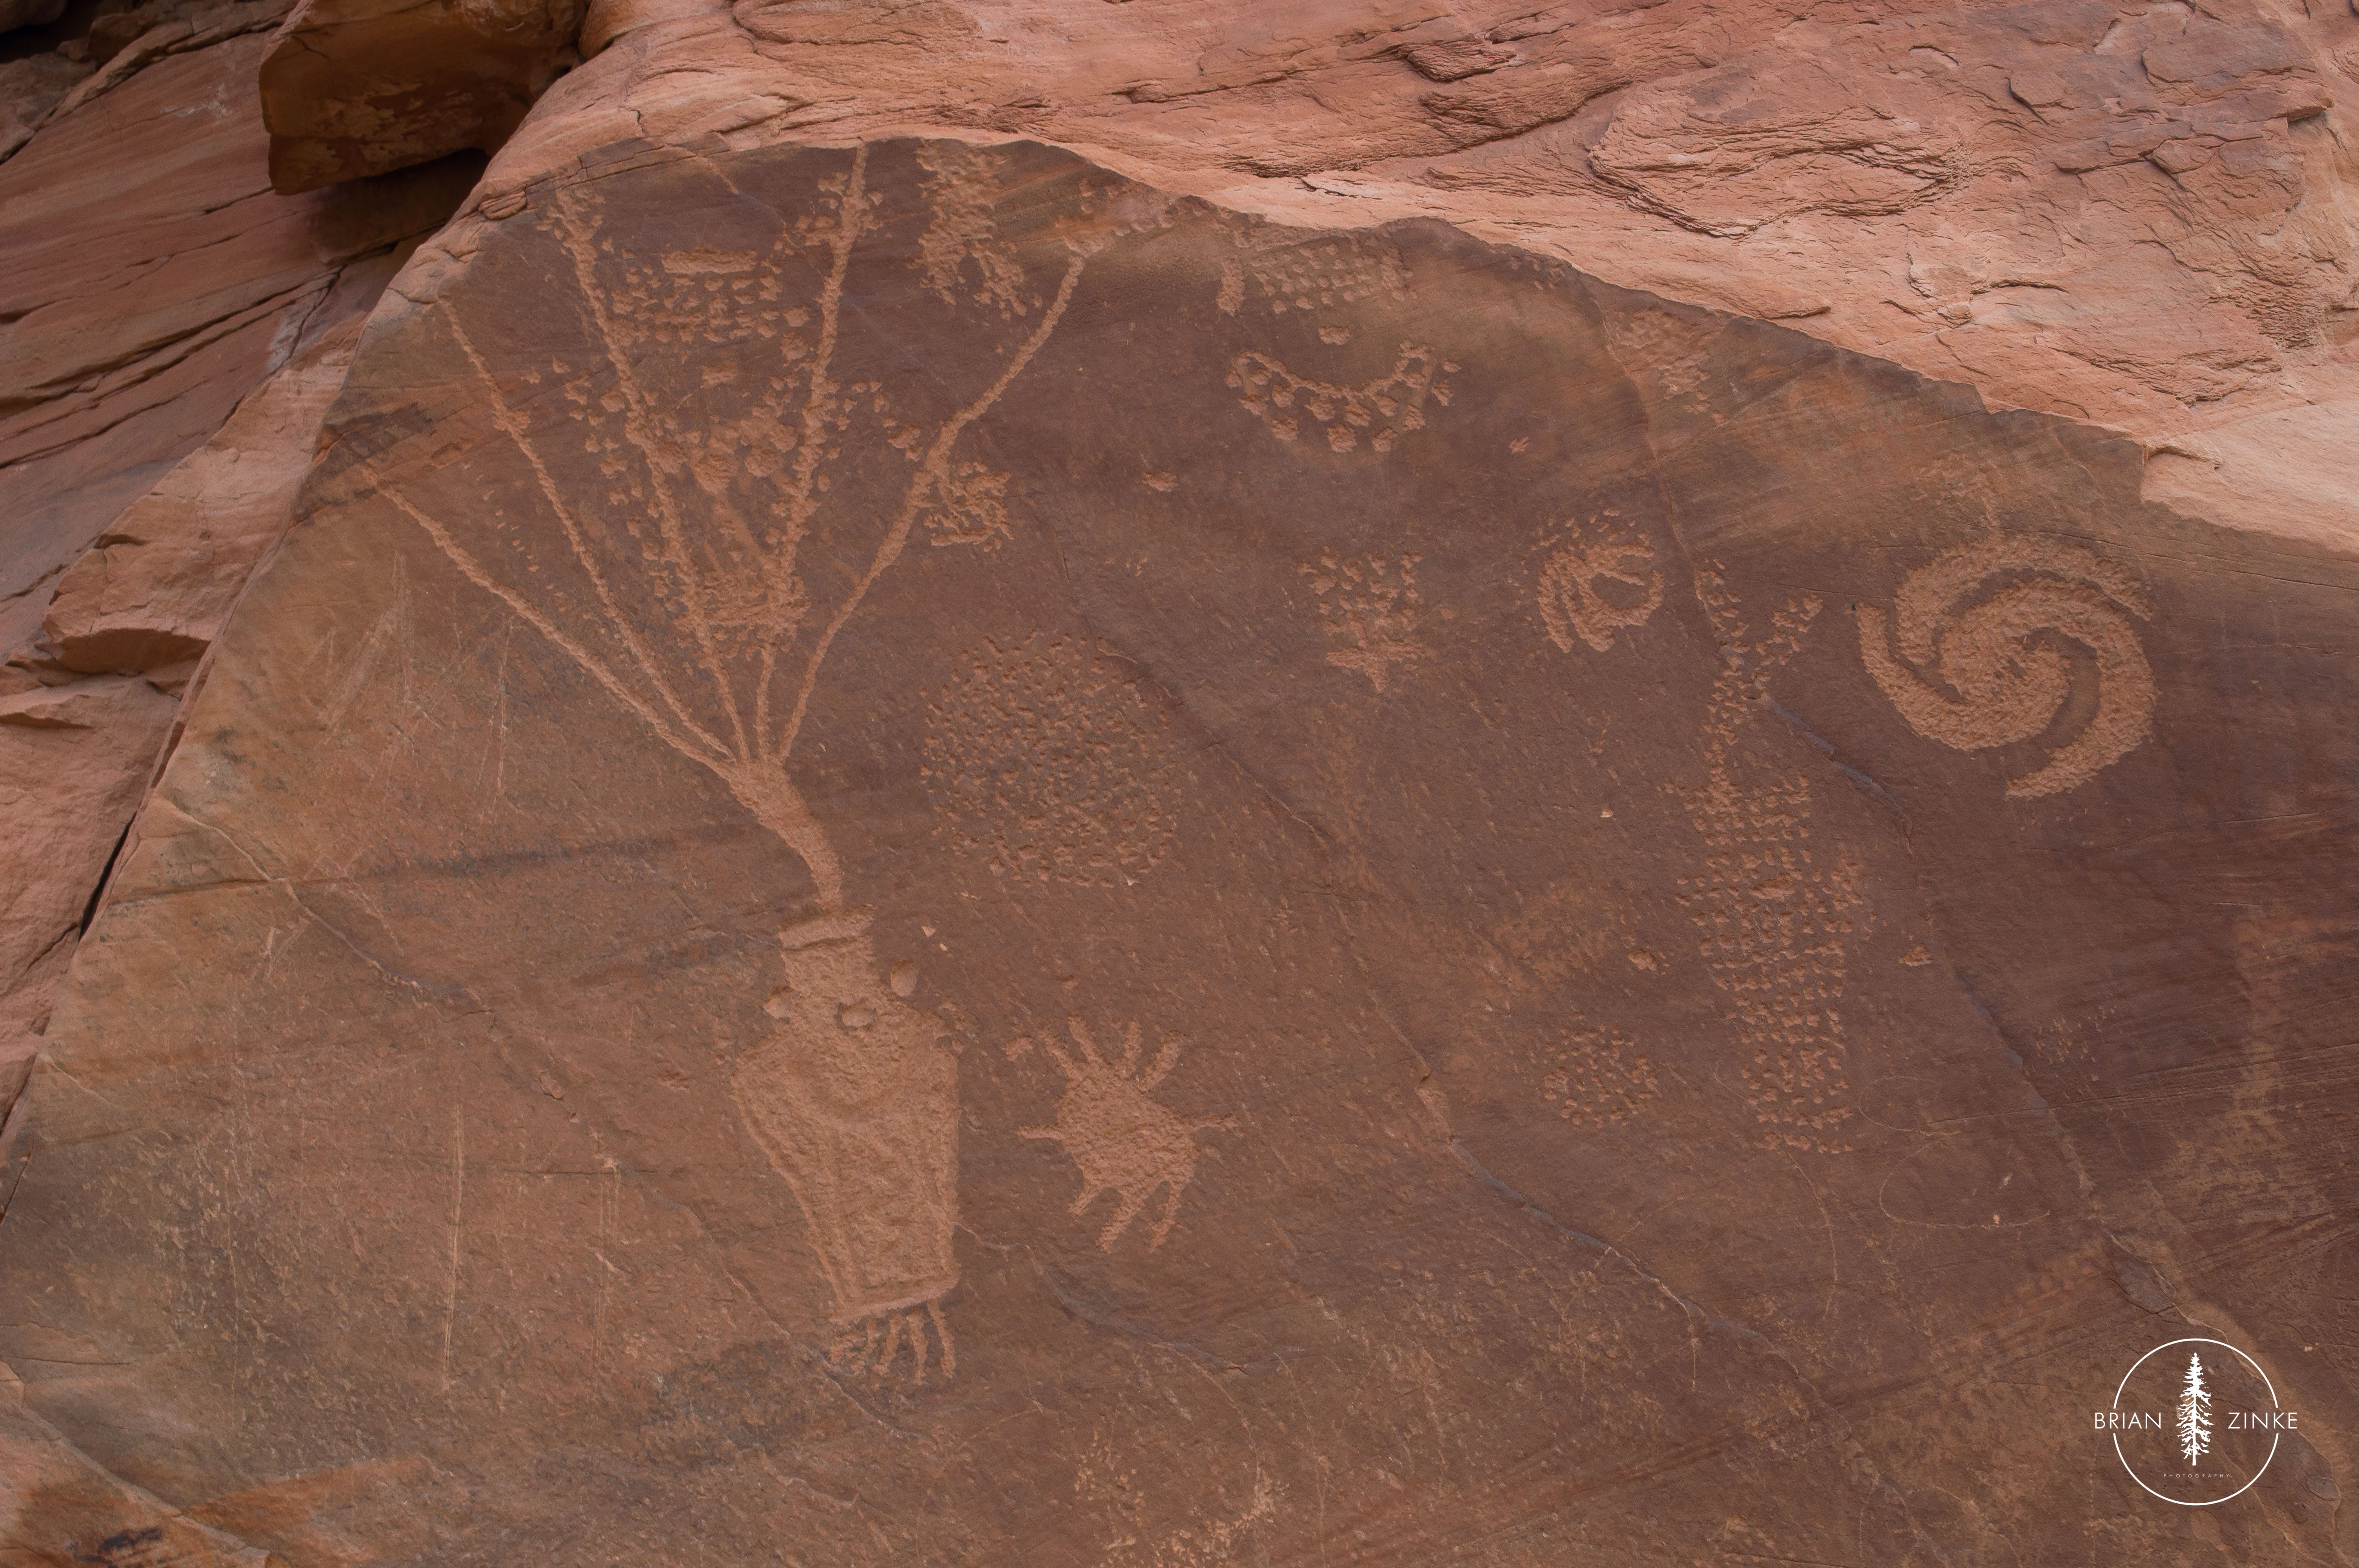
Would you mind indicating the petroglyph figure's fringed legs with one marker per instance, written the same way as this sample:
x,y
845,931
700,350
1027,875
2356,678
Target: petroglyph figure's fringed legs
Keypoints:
x,y
869,1344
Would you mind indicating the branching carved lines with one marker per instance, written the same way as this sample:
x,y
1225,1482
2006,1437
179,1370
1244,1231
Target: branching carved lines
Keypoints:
x,y
512,428
802,495
1999,658
733,586
663,463
530,613
690,576
931,473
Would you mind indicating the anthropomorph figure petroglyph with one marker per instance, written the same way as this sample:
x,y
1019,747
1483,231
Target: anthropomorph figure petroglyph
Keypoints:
x,y
1773,918
675,585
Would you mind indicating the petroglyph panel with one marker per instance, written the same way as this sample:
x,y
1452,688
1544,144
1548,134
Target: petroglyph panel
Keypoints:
x,y
1524,1034
1382,410
1602,579
1124,1141
1327,275
1774,919
1047,761
854,1099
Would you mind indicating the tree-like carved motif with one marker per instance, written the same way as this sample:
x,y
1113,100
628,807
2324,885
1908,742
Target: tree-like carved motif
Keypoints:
x,y
726,439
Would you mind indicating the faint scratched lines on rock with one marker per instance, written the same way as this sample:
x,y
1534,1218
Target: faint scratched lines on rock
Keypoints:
x,y
1574,597
1125,1141
1600,1077
1772,920
1997,653
1369,609
1048,763
1385,409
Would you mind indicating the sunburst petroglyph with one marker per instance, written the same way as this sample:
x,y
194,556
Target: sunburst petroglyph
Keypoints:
x,y
1125,1141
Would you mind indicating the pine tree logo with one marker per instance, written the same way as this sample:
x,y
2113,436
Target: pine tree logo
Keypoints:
x,y
2194,1410
2196,1422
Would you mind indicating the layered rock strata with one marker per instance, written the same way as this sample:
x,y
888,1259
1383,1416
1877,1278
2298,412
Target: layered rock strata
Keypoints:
x,y
150,285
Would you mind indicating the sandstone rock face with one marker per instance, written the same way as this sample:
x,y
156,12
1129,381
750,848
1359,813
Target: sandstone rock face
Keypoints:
x,y
926,855
2133,215
361,87
74,762
137,613
154,588
149,280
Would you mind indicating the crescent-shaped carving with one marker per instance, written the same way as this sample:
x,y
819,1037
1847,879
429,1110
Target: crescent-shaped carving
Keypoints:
x,y
1982,621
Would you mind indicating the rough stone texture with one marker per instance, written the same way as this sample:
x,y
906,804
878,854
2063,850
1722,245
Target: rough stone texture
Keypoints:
x,y
75,762
927,857
16,14
146,602
2134,215
154,590
149,280
362,87
30,89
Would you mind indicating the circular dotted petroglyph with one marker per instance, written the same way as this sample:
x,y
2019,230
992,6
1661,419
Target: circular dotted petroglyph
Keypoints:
x,y
1048,762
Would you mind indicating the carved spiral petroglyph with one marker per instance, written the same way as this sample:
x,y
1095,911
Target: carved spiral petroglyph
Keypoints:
x,y
1571,603
1998,654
